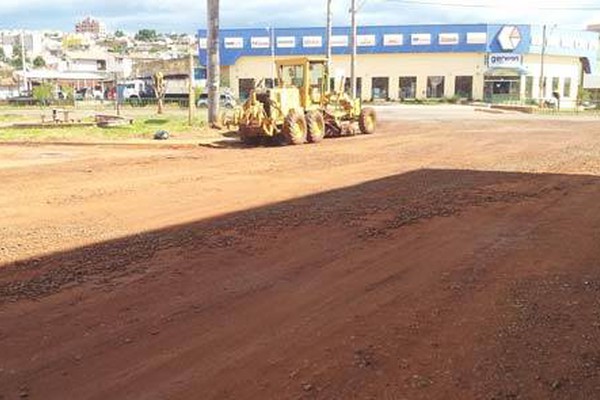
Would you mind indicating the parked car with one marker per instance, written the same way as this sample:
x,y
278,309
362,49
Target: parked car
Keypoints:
x,y
226,100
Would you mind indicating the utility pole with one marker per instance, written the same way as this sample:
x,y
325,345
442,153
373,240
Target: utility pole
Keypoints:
x,y
213,63
329,29
191,89
542,86
23,60
353,57
271,31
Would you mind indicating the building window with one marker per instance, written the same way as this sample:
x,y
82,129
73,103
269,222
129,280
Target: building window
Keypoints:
x,y
555,85
567,87
463,87
348,89
529,87
408,87
435,87
380,88
245,86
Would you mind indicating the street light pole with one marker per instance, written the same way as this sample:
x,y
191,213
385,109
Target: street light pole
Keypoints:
x,y
543,54
213,63
353,56
329,29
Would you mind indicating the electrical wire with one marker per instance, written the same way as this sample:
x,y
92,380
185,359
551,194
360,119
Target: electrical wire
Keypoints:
x,y
464,5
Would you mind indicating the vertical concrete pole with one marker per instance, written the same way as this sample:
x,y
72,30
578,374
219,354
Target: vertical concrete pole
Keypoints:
x,y
213,63
353,57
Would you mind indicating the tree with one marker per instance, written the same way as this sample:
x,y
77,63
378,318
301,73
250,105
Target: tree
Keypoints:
x,y
159,89
39,62
43,93
17,56
119,33
146,35
2,55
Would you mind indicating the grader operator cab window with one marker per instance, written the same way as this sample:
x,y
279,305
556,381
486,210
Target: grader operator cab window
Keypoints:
x,y
317,74
292,75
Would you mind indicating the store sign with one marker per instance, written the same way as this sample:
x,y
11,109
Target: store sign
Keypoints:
x,y
476,38
234,43
260,42
448,38
393,40
312,41
420,39
509,37
286,42
339,41
505,60
365,40
203,43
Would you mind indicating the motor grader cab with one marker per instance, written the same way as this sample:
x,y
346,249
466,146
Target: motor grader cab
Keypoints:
x,y
301,108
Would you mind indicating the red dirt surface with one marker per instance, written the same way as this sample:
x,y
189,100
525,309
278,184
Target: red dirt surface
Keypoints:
x,y
442,260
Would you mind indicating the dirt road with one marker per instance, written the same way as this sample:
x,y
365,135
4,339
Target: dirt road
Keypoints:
x,y
451,259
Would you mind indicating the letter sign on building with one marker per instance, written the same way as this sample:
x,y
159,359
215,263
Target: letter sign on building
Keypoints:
x,y
365,40
476,38
339,41
420,39
393,40
234,43
505,60
203,43
448,38
286,42
509,37
260,42
312,41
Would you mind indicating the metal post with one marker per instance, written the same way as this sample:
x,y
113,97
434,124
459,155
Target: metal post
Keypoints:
x,y
213,63
271,31
353,57
542,86
329,29
191,89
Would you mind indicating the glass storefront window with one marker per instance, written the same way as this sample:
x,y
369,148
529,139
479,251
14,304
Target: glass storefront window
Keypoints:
x,y
529,87
435,87
463,87
567,87
379,88
408,87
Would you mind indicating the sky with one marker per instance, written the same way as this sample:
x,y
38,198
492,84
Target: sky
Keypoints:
x,y
186,16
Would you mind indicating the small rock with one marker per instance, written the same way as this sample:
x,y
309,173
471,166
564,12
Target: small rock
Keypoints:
x,y
307,387
556,385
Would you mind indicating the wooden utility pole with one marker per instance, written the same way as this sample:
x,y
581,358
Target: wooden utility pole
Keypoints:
x,y
191,89
328,39
213,63
353,57
542,78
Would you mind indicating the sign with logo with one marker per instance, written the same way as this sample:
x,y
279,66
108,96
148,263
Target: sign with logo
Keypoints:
x,y
339,41
476,38
234,43
509,37
260,42
505,60
420,39
393,40
365,40
203,43
312,41
286,42
448,38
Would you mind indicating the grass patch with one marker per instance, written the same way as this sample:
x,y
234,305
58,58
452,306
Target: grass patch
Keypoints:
x,y
145,124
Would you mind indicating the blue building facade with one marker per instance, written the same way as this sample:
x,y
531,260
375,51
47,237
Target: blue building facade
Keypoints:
x,y
497,49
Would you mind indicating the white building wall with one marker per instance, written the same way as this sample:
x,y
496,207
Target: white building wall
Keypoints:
x,y
392,66
554,67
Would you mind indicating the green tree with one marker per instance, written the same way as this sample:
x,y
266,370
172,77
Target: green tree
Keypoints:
x,y
39,62
43,93
2,55
119,33
17,56
146,35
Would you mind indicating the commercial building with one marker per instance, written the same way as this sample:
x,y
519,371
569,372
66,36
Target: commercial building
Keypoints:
x,y
495,63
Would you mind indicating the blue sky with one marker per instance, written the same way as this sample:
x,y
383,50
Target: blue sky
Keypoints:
x,y
189,15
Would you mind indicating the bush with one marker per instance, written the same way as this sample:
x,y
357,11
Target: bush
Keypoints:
x,y
43,93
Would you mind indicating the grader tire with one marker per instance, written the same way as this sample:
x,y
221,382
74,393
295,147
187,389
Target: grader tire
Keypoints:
x,y
367,121
294,129
316,126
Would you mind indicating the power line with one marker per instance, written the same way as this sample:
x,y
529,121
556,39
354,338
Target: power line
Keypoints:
x,y
464,5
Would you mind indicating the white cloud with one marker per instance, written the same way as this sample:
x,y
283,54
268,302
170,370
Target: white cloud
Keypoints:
x,y
188,15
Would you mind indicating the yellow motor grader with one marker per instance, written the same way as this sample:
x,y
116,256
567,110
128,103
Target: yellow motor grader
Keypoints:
x,y
301,108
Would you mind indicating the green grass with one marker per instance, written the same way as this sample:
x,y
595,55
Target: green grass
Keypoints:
x,y
146,123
